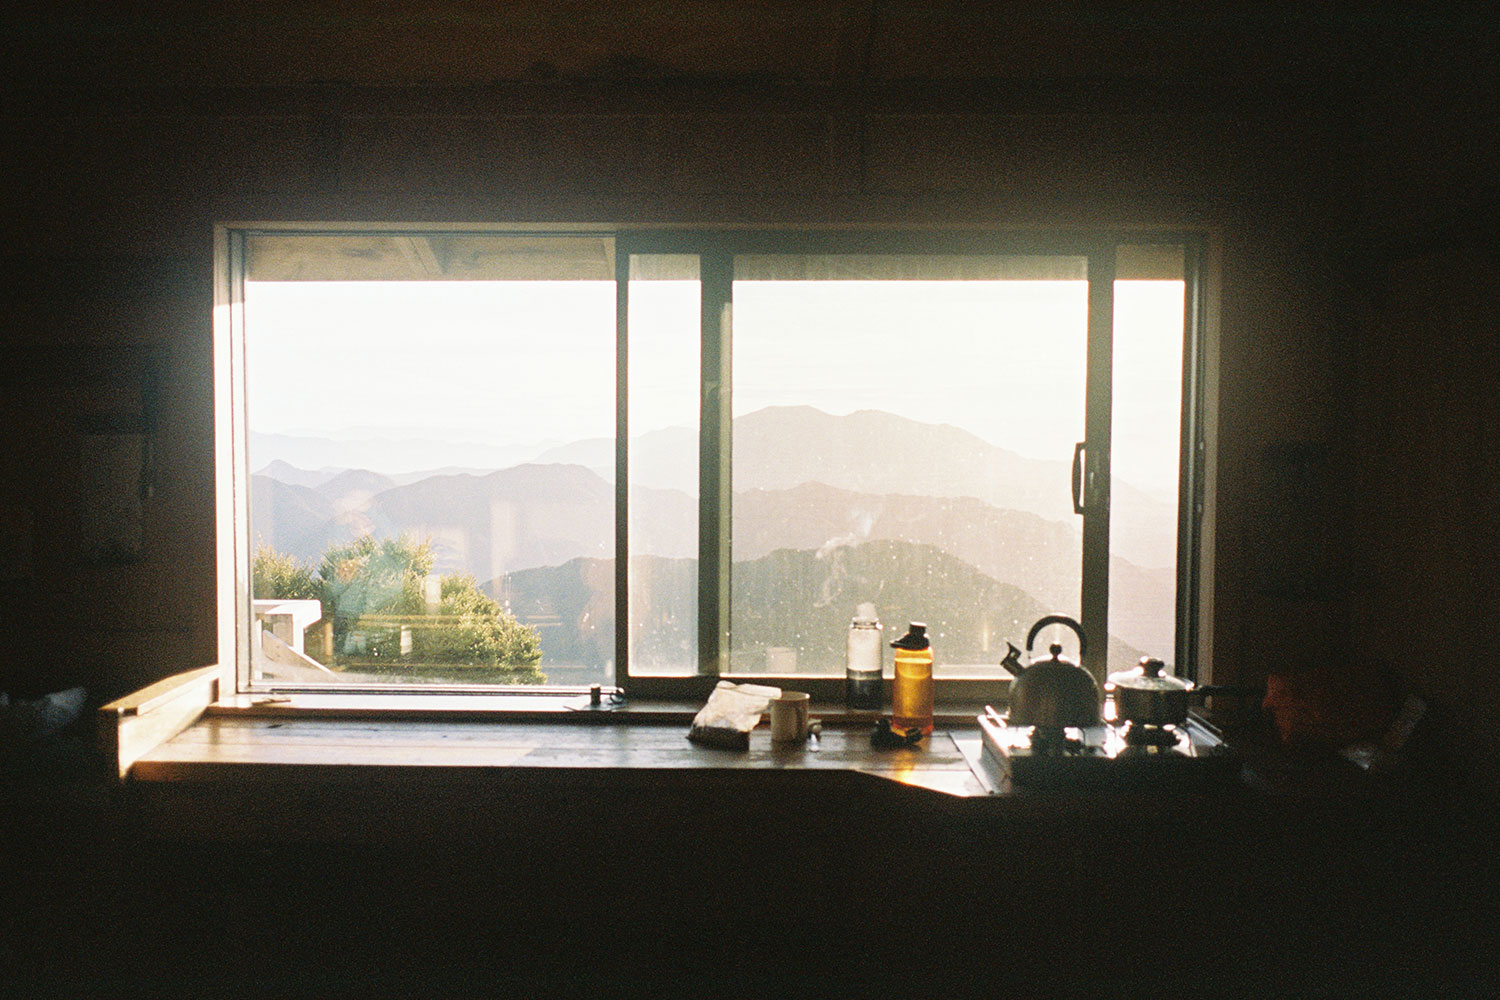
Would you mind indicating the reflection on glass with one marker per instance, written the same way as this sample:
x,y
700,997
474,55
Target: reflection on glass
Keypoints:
x,y
663,366
903,428
431,423
1146,432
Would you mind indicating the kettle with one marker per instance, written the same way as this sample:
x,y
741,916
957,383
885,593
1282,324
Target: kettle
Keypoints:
x,y
1053,694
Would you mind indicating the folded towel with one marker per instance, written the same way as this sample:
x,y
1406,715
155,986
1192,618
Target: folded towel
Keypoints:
x,y
731,712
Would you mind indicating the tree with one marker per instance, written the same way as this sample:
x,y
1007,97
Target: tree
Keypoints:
x,y
279,577
373,595
366,578
475,630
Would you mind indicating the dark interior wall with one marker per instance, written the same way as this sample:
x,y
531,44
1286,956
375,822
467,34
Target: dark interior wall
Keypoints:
x,y
1425,359
115,199
1425,582
78,332
110,198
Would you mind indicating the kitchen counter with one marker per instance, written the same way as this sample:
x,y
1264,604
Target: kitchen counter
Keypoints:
x,y
470,856
300,777
275,749
197,766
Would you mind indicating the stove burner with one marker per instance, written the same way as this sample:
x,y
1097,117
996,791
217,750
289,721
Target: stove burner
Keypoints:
x,y
1140,735
1055,742
1108,758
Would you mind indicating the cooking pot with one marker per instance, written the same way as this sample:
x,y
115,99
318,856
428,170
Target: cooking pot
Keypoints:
x,y
1145,695
1053,694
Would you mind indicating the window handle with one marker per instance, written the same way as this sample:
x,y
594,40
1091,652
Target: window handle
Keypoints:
x,y
1078,478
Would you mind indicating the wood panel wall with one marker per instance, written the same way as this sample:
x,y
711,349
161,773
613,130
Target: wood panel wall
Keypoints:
x,y
110,197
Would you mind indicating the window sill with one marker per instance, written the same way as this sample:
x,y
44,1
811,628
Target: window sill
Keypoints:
x,y
530,708
181,728
268,778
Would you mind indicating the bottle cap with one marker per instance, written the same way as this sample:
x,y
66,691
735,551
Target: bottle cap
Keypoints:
x,y
864,616
915,637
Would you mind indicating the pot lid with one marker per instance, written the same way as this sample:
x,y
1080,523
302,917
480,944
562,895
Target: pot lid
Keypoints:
x,y
1149,676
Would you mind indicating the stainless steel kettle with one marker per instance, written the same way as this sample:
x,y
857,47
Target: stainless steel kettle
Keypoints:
x,y
1053,694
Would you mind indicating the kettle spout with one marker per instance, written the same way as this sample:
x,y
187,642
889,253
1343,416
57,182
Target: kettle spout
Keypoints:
x,y
1012,661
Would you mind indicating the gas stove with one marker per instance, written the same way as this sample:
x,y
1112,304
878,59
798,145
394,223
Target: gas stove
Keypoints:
x,y
1105,757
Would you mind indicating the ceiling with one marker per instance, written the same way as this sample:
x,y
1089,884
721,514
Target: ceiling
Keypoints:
x,y
276,43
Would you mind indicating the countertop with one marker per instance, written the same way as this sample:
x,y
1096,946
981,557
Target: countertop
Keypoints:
x,y
267,748
529,852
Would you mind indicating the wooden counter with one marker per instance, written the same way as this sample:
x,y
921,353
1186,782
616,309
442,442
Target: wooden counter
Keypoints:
x,y
238,749
609,852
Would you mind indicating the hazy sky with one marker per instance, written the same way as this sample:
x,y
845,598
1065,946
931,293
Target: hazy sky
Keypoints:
x,y
533,362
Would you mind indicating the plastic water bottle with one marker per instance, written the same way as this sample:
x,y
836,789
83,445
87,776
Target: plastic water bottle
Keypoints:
x,y
911,692
862,666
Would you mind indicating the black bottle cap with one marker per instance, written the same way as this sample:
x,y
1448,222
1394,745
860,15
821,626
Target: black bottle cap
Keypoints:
x,y
915,637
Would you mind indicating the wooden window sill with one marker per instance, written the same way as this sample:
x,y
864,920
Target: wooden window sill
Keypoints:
x,y
249,747
180,729
528,708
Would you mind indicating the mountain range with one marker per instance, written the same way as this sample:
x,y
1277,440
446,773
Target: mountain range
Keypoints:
x,y
790,608
805,481
397,455
869,451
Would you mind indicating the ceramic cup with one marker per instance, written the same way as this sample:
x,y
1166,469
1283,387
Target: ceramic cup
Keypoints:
x,y
789,716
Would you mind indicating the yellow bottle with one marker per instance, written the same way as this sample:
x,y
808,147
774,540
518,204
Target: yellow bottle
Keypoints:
x,y
911,691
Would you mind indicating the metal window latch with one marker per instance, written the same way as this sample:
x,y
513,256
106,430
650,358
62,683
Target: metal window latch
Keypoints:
x,y
1079,507
600,700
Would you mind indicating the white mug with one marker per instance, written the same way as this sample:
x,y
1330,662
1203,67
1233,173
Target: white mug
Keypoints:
x,y
789,716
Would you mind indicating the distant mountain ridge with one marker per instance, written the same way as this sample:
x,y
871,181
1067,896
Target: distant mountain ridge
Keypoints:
x,y
291,475
1039,556
873,452
791,608
391,455
510,519
923,484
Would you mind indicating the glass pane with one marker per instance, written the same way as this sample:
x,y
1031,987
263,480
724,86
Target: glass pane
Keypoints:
x,y
1147,433
903,433
431,424
663,324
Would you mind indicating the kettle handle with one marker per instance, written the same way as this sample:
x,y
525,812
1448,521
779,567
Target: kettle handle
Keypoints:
x,y
1046,620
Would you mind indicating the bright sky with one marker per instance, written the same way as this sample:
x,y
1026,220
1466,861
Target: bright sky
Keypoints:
x,y
520,362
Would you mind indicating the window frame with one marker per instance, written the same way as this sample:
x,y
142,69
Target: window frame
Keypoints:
x,y
717,249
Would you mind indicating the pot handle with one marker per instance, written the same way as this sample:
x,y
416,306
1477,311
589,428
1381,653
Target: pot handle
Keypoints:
x,y
1044,621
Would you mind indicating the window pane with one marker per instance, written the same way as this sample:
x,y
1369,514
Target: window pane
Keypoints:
x,y
431,424
663,324
1147,434
903,432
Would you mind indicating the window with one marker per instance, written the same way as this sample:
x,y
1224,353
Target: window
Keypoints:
x,y
427,423
460,458
925,394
